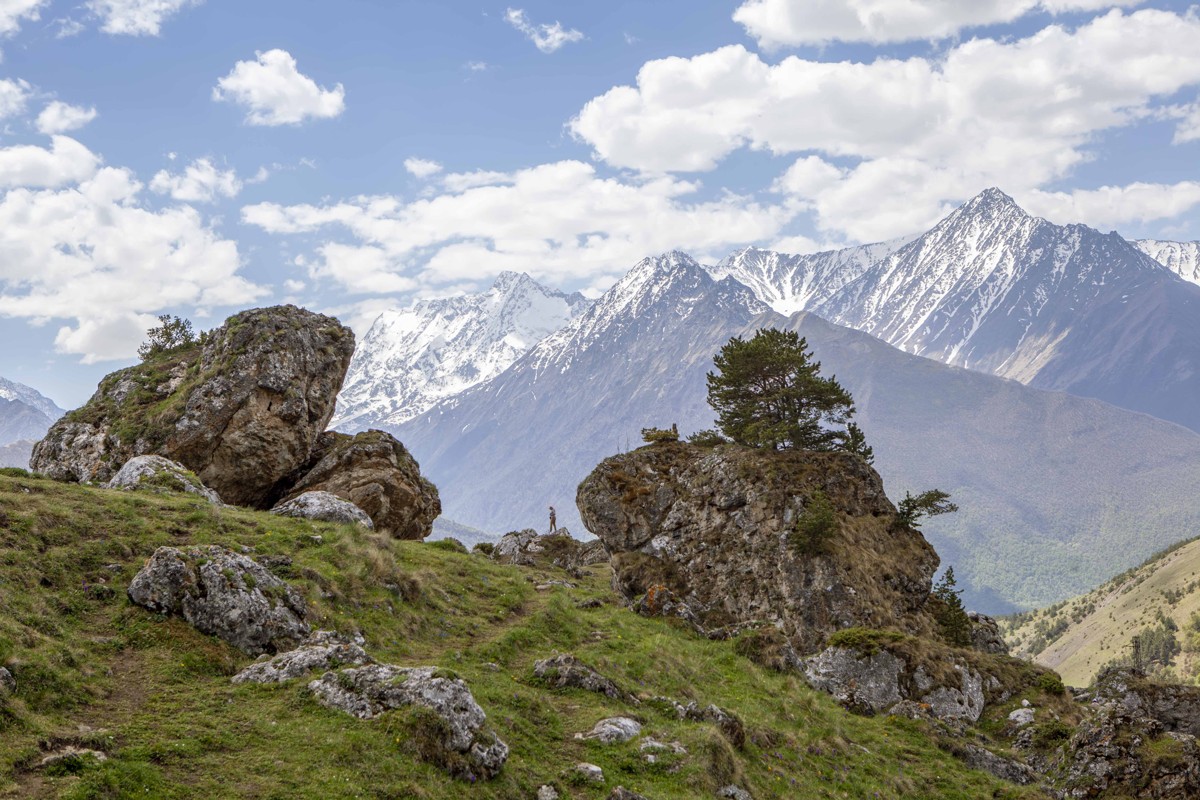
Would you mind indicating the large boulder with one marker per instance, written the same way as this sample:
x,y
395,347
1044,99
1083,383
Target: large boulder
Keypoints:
x,y
324,507
375,472
158,474
225,594
529,548
242,409
714,535
324,650
464,745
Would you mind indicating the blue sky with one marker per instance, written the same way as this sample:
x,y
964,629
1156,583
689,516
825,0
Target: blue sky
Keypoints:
x,y
352,156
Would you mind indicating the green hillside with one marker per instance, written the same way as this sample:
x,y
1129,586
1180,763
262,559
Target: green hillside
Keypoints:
x,y
1149,615
155,696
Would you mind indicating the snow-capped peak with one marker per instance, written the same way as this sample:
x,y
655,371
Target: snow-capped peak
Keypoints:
x,y
11,390
1182,258
413,357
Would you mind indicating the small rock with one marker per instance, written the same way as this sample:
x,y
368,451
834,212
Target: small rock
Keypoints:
x,y
594,602
324,507
323,650
8,683
70,753
1024,704
728,722
1021,717
542,587
735,793
155,473
224,594
547,793
317,538
589,772
621,793
613,730
568,672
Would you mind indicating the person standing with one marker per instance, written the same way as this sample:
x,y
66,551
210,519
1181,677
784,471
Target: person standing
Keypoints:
x,y
553,520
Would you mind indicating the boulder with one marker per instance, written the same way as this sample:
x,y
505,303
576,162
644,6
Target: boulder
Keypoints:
x,y
985,634
589,773
324,507
716,531
155,473
242,409
468,749
528,548
621,793
876,682
324,650
224,594
8,684
568,672
614,730
375,472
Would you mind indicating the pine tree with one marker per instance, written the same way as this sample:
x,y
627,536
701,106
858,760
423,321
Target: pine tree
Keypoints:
x,y
170,333
953,622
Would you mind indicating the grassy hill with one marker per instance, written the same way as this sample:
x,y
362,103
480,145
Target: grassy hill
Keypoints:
x,y
155,696
1144,614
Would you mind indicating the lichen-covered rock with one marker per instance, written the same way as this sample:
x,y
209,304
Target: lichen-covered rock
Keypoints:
x,y
613,730
528,548
242,410
324,650
589,773
621,793
367,692
324,507
155,473
876,682
985,634
726,721
565,671
375,472
8,684
717,530
224,594
1006,769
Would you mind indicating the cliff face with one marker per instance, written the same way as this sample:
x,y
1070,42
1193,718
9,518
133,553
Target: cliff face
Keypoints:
x,y
243,410
717,535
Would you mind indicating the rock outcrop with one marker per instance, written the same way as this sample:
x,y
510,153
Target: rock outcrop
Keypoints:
x,y
529,548
324,507
225,594
985,634
243,409
467,748
155,473
614,730
715,534
375,472
324,650
565,671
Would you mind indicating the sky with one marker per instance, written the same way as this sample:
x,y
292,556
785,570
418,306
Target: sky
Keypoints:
x,y
199,157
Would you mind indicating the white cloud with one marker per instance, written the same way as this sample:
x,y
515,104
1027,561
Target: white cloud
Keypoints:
x,y
59,117
573,224
14,12
476,66
13,97
421,167
547,38
780,23
917,134
201,182
1112,206
67,161
1188,129
136,17
274,92
91,254
457,182
68,27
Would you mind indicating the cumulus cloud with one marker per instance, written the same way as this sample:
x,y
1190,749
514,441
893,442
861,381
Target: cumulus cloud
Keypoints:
x,y
200,182
1111,206
547,38
14,12
573,223
66,161
274,92
59,117
135,17
782,23
13,97
916,134
91,254
421,167
1188,129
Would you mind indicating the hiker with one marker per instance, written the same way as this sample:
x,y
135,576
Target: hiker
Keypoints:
x,y
553,520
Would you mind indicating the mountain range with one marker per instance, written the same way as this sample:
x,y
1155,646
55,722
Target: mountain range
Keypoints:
x,y
25,416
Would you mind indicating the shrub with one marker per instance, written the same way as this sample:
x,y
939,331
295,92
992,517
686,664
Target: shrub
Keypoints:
x,y
927,504
653,435
864,640
171,332
707,438
450,545
1050,683
815,526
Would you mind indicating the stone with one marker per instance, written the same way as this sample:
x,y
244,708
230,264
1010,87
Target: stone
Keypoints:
x,y
565,671
242,410
375,472
547,792
324,507
1021,717
528,548
224,594
589,773
614,730
985,634
706,534
8,684
732,792
155,473
621,793
1007,769
324,650
71,753
368,691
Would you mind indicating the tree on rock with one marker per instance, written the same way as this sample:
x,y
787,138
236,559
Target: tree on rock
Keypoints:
x,y
768,392
171,332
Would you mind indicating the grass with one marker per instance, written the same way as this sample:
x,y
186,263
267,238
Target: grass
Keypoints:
x,y
154,695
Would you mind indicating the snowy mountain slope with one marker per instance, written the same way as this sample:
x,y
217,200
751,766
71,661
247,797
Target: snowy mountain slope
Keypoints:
x,y
1182,258
412,358
1057,491
25,413
791,283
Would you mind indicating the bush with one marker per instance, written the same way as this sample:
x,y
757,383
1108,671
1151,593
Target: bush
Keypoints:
x,y
653,435
1050,683
172,332
864,640
450,545
707,438
815,526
